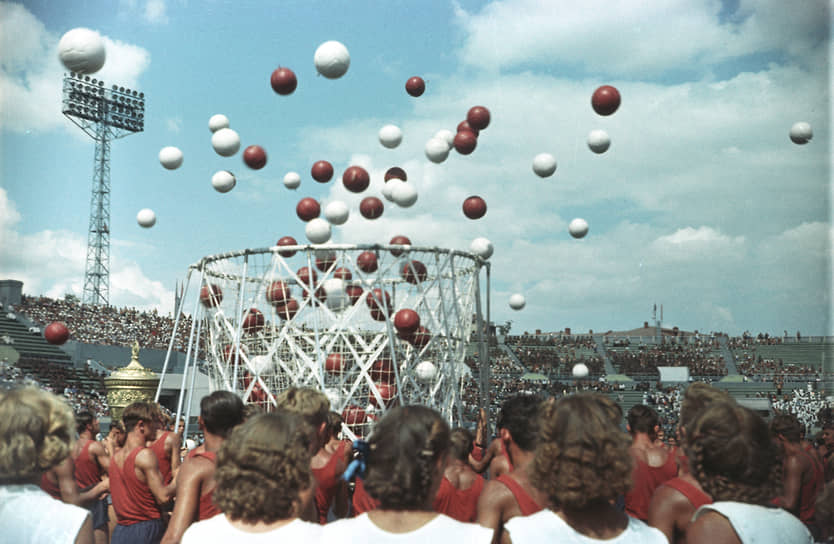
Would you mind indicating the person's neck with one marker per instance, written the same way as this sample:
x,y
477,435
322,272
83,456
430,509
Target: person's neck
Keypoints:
x,y
401,521
520,458
85,435
642,440
134,440
598,520
791,448
212,442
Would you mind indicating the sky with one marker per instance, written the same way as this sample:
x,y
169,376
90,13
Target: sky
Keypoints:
x,y
702,204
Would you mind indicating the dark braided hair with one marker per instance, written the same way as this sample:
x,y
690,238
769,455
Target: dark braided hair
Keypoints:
x,y
403,456
732,455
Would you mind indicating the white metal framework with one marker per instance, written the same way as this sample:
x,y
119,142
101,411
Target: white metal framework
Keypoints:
x,y
265,323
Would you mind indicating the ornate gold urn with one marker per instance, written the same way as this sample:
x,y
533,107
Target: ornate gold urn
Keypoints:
x,y
130,384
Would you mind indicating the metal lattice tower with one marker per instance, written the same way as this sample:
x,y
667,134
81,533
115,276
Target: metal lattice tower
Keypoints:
x,y
103,115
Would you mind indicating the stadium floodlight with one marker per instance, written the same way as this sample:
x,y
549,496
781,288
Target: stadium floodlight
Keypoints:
x,y
103,114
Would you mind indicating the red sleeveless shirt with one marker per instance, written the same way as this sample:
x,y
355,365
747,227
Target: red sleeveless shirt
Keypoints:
x,y
328,481
694,495
87,470
810,490
526,503
50,487
158,448
207,507
459,504
132,499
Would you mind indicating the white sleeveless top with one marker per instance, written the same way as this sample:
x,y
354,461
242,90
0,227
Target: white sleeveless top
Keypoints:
x,y
30,515
546,526
760,524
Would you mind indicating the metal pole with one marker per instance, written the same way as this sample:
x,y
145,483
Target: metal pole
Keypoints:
x,y
178,311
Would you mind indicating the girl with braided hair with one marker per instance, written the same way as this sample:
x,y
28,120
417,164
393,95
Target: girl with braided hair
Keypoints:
x,y
732,456
406,457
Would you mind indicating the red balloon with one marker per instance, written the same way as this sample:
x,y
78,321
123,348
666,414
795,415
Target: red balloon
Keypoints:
x,y
287,241
478,117
334,364
464,125
420,338
305,274
322,171
277,293
325,260
415,86
406,321
377,298
465,142
255,157
387,392
382,370
56,333
401,241
253,321
356,179
367,262
211,296
605,100
474,207
414,272
354,293
307,209
288,309
319,297
396,172
371,207
342,274
283,81
353,415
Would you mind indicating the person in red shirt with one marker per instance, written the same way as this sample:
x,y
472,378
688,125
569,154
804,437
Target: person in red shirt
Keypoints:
x,y
494,457
461,486
166,446
653,464
328,465
136,483
220,412
91,462
512,494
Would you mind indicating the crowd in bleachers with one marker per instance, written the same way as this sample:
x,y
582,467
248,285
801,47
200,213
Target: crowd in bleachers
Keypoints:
x,y
768,370
644,360
807,405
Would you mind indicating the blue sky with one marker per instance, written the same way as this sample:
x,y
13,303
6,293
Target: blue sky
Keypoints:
x,y
702,204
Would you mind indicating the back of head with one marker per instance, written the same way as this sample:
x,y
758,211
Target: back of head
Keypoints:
x,y
404,449
139,411
642,419
582,455
788,426
696,398
36,431
519,415
83,419
460,444
732,456
263,466
221,411
334,424
309,403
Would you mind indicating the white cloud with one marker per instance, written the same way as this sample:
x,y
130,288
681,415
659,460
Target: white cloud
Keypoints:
x,y
156,11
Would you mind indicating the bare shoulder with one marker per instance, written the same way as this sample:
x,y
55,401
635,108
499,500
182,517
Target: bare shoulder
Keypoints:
x,y
711,528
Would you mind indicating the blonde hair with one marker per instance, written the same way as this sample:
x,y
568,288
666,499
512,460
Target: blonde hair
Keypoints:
x,y
307,402
37,429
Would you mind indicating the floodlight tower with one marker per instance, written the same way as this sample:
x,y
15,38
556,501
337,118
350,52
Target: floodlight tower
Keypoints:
x,y
103,114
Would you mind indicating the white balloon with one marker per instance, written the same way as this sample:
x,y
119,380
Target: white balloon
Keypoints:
x,y
259,363
336,212
801,133
334,396
404,194
218,121
437,150
332,59
447,136
598,141
390,136
81,50
517,301
225,142
580,370
223,181
337,298
146,218
426,371
317,230
578,228
544,164
388,188
481,247
292,180
170,157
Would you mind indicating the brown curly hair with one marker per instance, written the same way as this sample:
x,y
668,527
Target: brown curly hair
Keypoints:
x,y
263,466
732,456
404,450
696,398
37,430
582,455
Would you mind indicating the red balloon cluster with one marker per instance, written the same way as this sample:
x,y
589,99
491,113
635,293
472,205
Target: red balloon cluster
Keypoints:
x,y
229,356
56,333
474,207
420,338
211,296
283,81
353,415
322,171
356,179
371,207
399,240
287,241
415,86
319,297
382,370
307,209
288,309
414,272
253,321
277,293
605,100
354,293
387,392
379,302
305,274
325,260
478,117
367,262
465,142
396,172
335,363
342,274
255,157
